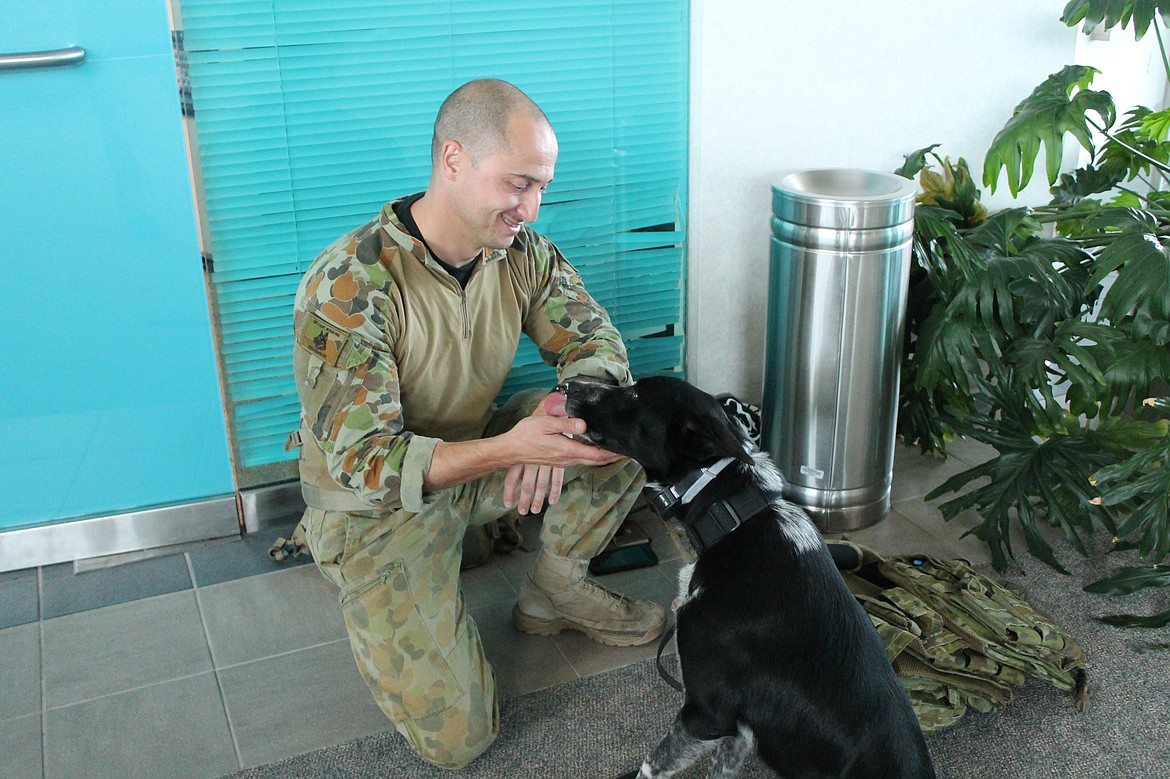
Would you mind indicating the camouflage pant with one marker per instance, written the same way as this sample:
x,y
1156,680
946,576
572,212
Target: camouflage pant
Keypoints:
x,y
415,645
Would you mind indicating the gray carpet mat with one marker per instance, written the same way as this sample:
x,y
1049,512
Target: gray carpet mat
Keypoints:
x,y
601,726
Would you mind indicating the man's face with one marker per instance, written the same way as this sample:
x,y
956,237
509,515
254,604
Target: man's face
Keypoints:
x,y
502,190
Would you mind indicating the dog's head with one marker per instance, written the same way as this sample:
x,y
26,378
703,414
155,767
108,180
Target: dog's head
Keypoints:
x,y
669,426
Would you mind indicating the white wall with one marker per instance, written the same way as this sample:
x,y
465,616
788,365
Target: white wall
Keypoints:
x,y
780,85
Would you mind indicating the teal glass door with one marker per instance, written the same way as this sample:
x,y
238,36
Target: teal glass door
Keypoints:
x,y
109,397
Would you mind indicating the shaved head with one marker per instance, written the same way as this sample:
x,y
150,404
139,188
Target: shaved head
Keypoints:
x,y
477,116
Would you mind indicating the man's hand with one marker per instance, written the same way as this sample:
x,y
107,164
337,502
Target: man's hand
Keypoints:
x,y
546,432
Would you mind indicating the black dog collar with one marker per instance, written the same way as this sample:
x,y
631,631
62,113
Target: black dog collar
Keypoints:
x,y
669,499
718,519
722,517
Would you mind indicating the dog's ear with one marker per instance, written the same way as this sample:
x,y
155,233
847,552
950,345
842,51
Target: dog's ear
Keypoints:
x,y
714,434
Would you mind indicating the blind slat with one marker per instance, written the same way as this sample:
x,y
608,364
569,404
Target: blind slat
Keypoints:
x,y
306,125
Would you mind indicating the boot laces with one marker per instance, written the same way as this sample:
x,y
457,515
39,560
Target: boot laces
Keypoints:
x,y
591,585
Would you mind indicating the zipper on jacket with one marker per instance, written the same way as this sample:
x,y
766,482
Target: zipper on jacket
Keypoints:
x,y
466,315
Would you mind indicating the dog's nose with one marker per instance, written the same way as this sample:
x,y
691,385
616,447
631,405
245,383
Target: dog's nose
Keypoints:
x,y
562,388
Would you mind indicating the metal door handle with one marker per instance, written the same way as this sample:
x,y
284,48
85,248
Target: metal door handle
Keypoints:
x,y
74,55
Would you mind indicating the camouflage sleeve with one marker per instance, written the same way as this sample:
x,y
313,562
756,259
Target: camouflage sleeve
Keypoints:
x,y
572,330
355,414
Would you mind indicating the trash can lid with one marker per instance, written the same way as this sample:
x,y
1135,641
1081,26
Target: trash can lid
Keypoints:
x,y
844,198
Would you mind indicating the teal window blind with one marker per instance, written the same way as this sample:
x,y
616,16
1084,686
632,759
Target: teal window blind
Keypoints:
x,y
310,114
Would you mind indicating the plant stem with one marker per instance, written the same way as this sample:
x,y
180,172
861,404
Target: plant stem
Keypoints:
x,y
1091,243
1050,212
1162,48
1160,166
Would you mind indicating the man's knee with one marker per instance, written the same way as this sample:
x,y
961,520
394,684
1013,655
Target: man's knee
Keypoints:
x,y
593,485
455,736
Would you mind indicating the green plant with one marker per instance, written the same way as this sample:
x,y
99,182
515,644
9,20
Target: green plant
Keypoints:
x,y
1045,331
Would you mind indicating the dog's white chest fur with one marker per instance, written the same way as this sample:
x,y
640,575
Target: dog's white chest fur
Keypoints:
x,y
684,586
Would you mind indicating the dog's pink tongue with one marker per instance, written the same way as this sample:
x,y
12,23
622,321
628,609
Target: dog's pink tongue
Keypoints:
x,y
554,404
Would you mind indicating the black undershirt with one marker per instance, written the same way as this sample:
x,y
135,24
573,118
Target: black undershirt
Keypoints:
x,y
402,210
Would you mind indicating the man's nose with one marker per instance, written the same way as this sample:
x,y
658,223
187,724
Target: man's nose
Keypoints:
x,y
529,206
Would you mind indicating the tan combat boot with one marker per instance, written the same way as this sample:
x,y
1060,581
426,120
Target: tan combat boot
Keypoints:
x,y
556,595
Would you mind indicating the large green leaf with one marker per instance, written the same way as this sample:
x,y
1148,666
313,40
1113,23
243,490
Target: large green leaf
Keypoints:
x,y
1136,620
1032,480
1137,366
1140,294
1141,484
1130,579
1156,125
1083,183
1139,139
1107,13
1044,117
915,161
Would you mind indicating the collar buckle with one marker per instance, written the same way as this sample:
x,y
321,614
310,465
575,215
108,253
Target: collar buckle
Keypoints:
x,y
668,499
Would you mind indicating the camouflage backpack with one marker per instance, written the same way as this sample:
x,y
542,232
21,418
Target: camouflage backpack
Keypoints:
x,y
957,639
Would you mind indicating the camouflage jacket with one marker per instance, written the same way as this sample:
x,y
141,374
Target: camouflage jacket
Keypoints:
x,y
392,356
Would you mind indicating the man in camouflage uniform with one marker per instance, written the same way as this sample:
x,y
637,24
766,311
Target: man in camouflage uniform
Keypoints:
x,y
405,330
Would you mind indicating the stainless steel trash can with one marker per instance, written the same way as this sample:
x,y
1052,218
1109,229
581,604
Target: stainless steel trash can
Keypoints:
x,y
840,265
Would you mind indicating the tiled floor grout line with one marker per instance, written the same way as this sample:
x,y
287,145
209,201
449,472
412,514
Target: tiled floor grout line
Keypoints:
x,y
116,693
211,655
41,665
290,652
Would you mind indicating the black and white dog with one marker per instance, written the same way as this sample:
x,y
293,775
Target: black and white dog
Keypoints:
x,y
776,654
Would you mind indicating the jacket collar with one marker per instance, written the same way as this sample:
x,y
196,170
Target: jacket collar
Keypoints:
x,y
394,229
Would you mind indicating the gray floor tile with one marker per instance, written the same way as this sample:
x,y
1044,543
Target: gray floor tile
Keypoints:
x,y
218,562
174,730
971,451
973,548
261,616
19,599
522,662
915,475
121,647
483,585
661,540
297,702
668,570
516,564
20,748
896,534
20,672
65,592
928,517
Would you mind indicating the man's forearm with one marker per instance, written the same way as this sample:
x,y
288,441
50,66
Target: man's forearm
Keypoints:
x,y
458,462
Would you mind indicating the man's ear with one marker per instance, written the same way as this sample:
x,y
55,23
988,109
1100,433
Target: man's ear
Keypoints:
x,y
452,159
715,435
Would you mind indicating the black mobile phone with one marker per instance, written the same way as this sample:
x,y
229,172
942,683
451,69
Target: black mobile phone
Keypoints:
x,y
625,558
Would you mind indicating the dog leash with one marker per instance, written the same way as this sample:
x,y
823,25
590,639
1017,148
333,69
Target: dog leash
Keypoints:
x,y
665,674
